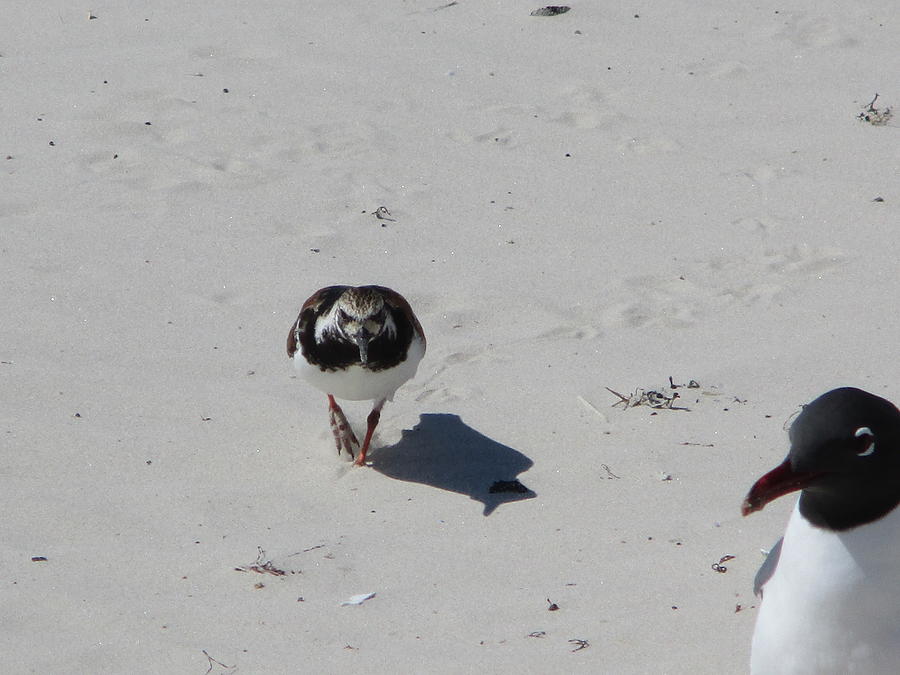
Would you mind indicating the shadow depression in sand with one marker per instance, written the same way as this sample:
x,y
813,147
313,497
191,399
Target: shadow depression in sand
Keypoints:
x,y
445,453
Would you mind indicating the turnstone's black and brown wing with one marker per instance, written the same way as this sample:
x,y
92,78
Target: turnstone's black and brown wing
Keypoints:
x,y
304,327
388,350
398,303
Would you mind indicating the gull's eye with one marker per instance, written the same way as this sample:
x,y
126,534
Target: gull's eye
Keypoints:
x,y
865,441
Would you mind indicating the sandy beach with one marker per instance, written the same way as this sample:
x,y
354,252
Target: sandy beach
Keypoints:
x,y
678,198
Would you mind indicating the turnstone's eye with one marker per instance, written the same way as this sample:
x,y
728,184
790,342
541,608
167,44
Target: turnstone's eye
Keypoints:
x,y
866,441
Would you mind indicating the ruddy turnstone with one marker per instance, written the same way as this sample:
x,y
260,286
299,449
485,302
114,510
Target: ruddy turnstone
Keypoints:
x,y
831,587
358,343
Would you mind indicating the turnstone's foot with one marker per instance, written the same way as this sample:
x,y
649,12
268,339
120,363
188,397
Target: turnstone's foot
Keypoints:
x,y
344,438
359,344
371,423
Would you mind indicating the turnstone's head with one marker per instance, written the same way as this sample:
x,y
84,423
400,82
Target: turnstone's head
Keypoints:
x,y
358,316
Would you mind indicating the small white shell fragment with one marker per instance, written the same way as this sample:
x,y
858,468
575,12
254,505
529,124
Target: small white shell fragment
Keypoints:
x,y
358,599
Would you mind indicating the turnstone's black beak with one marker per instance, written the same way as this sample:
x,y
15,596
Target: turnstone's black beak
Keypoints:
x,y
361,338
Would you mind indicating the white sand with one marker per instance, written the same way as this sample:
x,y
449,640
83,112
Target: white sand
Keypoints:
x,y
583,201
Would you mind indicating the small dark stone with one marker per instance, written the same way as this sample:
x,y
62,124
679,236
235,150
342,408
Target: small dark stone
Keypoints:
x,y
551,10
508,486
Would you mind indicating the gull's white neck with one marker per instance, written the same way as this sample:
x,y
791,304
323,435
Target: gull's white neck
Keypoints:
x,y
833,603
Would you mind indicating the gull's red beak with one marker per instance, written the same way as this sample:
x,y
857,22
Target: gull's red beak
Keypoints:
x,y
778,482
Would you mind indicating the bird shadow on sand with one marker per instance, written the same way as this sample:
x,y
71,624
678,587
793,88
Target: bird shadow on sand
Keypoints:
x,y
445,453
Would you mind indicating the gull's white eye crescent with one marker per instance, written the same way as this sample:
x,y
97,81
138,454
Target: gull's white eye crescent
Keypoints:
x,y
868,440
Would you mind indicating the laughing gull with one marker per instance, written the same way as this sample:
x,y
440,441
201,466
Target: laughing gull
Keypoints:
x,y
831,587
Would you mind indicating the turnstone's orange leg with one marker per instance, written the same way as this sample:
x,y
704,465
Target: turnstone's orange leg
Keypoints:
x,y
372,422
344,438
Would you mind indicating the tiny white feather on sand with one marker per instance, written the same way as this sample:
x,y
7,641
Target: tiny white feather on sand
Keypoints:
x,y
357,599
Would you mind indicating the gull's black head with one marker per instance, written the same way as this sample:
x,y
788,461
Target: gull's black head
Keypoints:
x,y
844,456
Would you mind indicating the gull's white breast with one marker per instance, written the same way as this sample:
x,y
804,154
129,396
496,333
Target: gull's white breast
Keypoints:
x,y
833,603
